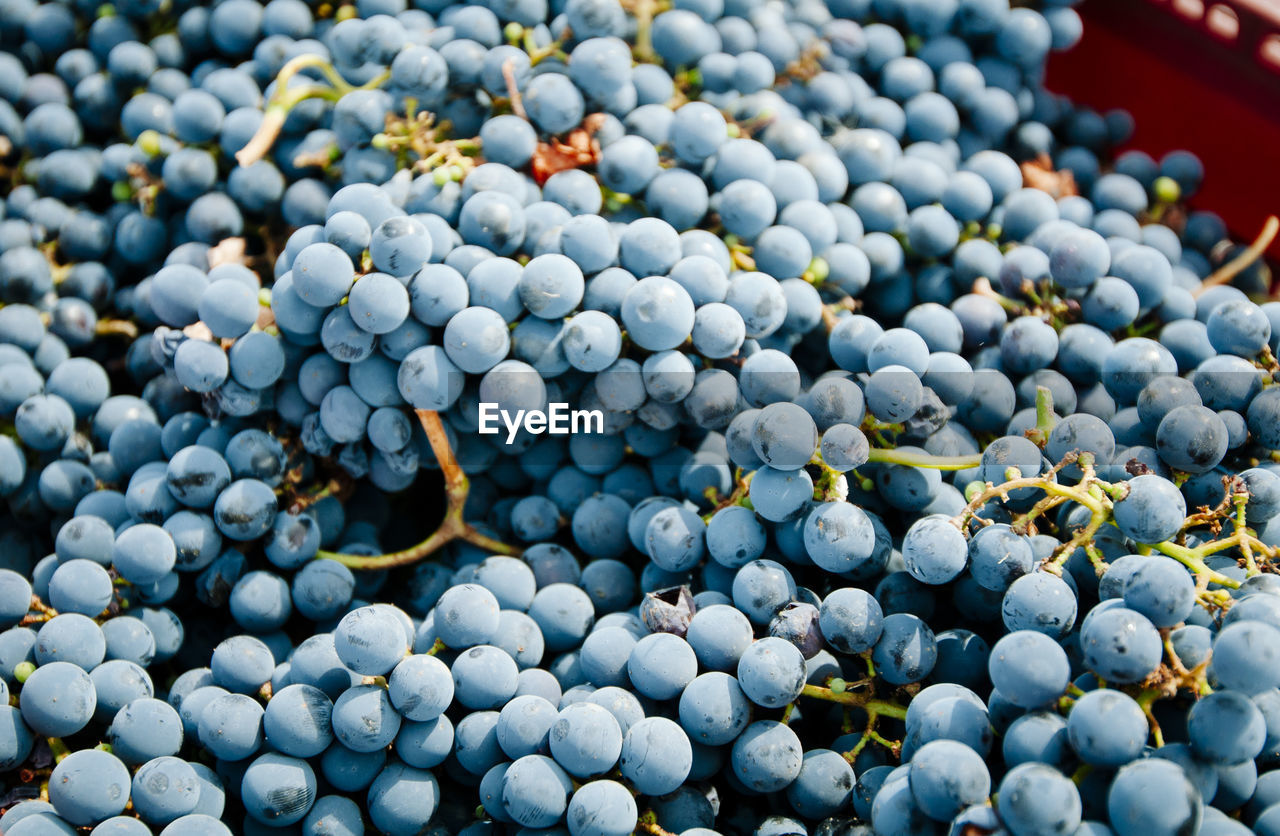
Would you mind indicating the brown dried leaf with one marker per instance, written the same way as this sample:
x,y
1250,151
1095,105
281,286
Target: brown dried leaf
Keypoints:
x,y
1040,174
198,331
578,150
227,251
266,317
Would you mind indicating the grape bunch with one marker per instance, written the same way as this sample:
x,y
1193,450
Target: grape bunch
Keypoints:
x,y
921,474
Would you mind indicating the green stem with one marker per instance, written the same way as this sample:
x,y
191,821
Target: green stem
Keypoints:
x,y
284,100
1193,559
926,460
113,327
864,700
1046,419
1241,533
1252,253
644,11
1145,700
59,748
872,734
1083,537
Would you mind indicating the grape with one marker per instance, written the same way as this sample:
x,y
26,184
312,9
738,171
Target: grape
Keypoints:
x,y
656,756
784,436
657,313
164,789
1039,737
713,709
585,740
59,699
535,791
242,664
144,729
88,787
297,721
780,494
1079,259
771,672
1235,643
998,557
333,813
839,537
230,726
78,586
946,777
1238,327
245,510
364,719
1191,438
564,614
1226,727
16,739
1106,728
767,756
1028,668
1120,645
1162,591
1041,602
1147,512
797,623
894,809
675,539
1203,775
551,286
602,808
718,635
466,615
523,725
351,771
15,596
934,550
1155,796
1035,798
661,665
278,791
322,274
484,677
761,588
906,650
424,745
369,641
127,826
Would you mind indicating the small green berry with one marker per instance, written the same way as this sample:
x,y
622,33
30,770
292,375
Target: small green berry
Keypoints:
x,y
149,143
818,270
1167,190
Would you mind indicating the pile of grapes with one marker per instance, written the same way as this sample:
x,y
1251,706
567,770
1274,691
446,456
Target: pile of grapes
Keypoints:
x,y
922,464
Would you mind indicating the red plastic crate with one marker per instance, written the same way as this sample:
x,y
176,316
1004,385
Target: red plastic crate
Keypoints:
x,y
1203,75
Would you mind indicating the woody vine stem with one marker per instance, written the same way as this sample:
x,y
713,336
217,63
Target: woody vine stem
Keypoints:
x,y
452,527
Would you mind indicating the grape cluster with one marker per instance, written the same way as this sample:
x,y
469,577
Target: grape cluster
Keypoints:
x,y
926,484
